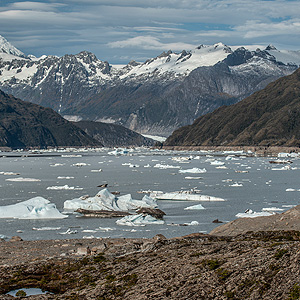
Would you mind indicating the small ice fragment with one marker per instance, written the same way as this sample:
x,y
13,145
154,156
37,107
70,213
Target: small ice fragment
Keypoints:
x,y
21,179
194,207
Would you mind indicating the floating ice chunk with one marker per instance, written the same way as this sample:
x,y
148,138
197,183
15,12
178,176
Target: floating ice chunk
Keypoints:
x,y
139,220
183,196
104,200
46,228
284,168
80,165
193,170
190,177
163,167
9,173
291,190
272,209
65,177
217,163
96,171
71,155
35,208
147,166
193,223
63,187
249,213
57,165
21,179
4,237
69,231
236,184
194,207
221,167
229,157
89,230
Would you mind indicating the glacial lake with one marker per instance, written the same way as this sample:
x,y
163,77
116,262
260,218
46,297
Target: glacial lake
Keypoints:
x,y
246,183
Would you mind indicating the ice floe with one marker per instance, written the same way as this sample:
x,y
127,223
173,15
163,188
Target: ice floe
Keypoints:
x,y
21,179
249,213
183,196
193,170
65,177
139,220
34,208
63,187
105,200
195,207
9,173
163,167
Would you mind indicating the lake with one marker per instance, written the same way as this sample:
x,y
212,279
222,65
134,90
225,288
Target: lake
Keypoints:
x,y
244,182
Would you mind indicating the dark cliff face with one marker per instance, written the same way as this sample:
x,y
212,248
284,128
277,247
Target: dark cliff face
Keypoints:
x,y
112,135
24,125
268,117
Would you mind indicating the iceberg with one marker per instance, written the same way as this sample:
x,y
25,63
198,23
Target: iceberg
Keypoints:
x,y
21,179
194,207
139,220
193,170
183,196
34,208
249,213
105,200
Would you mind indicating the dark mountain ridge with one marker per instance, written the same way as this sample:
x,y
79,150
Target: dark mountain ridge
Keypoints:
x,y
270,117
24,125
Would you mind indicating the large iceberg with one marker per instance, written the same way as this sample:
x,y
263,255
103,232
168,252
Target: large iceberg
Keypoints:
x,y
104,200
139,220
34,208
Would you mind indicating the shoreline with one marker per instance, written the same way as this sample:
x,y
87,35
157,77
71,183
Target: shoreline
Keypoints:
x,y
258,150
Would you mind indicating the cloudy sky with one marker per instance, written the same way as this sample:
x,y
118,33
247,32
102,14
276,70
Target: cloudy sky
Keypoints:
x,y
122,30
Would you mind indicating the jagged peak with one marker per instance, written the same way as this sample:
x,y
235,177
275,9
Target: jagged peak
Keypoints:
x,y
8,48
271,47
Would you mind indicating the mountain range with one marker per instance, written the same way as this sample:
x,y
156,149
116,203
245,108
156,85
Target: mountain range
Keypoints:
x,y
270,117
154,97
28,125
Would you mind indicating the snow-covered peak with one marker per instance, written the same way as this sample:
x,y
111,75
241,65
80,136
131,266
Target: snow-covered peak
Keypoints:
x,y
182,63
288,57
8,48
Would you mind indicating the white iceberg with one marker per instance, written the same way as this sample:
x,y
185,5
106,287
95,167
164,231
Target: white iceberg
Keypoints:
x,y
104,200
194,207
139,220
21,179
183,196
35,208
63,187
164,167
193,170
193,223
249,213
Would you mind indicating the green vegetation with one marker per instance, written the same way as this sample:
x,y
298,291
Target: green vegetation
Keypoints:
x,y
295,292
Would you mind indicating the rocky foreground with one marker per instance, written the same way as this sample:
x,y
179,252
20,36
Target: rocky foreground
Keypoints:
x,y
249,265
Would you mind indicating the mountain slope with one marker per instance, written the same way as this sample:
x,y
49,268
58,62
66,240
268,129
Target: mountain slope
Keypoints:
x,y
111,135
154,97
24,125
268,117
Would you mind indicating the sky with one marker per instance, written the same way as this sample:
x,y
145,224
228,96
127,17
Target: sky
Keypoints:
x,y
119,31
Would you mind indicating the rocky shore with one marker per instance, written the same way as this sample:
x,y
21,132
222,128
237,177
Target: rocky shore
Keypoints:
x,y
221,265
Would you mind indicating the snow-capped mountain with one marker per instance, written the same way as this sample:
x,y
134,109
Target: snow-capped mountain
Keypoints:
x,y
154,97
8,49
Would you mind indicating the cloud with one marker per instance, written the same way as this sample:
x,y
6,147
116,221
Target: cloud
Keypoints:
x,y
149,42
107,27
255,29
